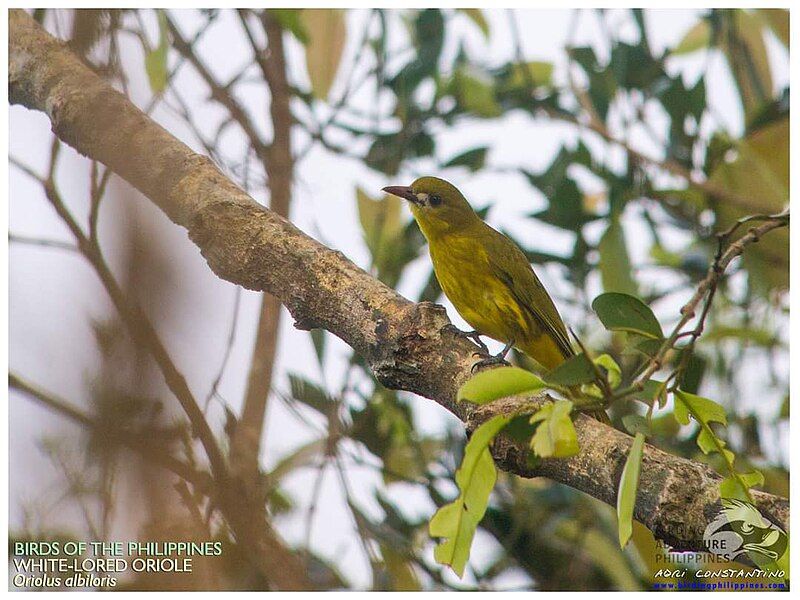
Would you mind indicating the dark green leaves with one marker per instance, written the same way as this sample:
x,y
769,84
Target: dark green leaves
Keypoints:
x,y
565,200
622,312
602,85
310,394
473,159
573,371
456,522
428,37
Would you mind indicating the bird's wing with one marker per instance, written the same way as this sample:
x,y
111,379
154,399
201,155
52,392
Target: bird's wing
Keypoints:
x,y
511,266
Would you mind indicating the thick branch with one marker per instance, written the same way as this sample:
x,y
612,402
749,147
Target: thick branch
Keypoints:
x,y
407,346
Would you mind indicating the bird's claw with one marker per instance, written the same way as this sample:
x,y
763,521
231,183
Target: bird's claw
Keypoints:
x,y
489,361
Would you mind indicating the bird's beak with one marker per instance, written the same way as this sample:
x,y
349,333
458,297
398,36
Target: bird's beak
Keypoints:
x,y
402,191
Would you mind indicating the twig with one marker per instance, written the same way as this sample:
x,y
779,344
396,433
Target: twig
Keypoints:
x,y
705,289
219,93
140,328
228,348
32,241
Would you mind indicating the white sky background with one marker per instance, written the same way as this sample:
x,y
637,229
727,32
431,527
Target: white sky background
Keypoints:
x,y
54,294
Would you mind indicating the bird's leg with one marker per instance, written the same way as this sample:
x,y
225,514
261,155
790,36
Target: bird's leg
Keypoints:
x,y
497,359
475,336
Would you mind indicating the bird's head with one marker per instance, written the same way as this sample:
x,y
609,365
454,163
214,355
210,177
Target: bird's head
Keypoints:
x,y
437,205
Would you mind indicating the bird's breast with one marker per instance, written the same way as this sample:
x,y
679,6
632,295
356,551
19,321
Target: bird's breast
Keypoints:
x,y
485,302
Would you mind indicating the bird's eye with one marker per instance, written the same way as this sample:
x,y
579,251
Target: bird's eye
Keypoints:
x,y
435,200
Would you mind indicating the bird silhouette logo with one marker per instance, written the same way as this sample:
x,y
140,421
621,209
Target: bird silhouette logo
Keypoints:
x,y
740,528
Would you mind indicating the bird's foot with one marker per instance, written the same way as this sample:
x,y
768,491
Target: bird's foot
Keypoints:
x,y
489,361
493,360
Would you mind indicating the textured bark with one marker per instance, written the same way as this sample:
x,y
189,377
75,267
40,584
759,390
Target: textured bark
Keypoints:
x,y
408,346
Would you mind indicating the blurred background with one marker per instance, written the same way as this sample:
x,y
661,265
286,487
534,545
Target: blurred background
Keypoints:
x,y
610,145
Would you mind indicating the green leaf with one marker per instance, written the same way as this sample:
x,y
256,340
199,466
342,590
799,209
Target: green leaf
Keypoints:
x,y
730,487
476,16
473,159
155,62
520,429
655,390
636,424
428,35
760,171
602,83
693,372
501,382
662,256
615,263
537,73
318,337
622,312
613,371
310,394
290,20
555,436
457,522
324,48
647,346
705,412
628,484
703,409
697,38
575,370
474,92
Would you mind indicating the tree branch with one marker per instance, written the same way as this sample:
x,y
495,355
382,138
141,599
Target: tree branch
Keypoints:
x,y
200,480
408,346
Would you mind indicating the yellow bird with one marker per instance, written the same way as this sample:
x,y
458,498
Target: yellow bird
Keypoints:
x,y
485,275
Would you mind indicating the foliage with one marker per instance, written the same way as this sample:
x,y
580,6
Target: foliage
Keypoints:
x,y
457,521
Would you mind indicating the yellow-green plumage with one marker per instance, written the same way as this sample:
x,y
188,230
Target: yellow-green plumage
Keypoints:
x,y
485,275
